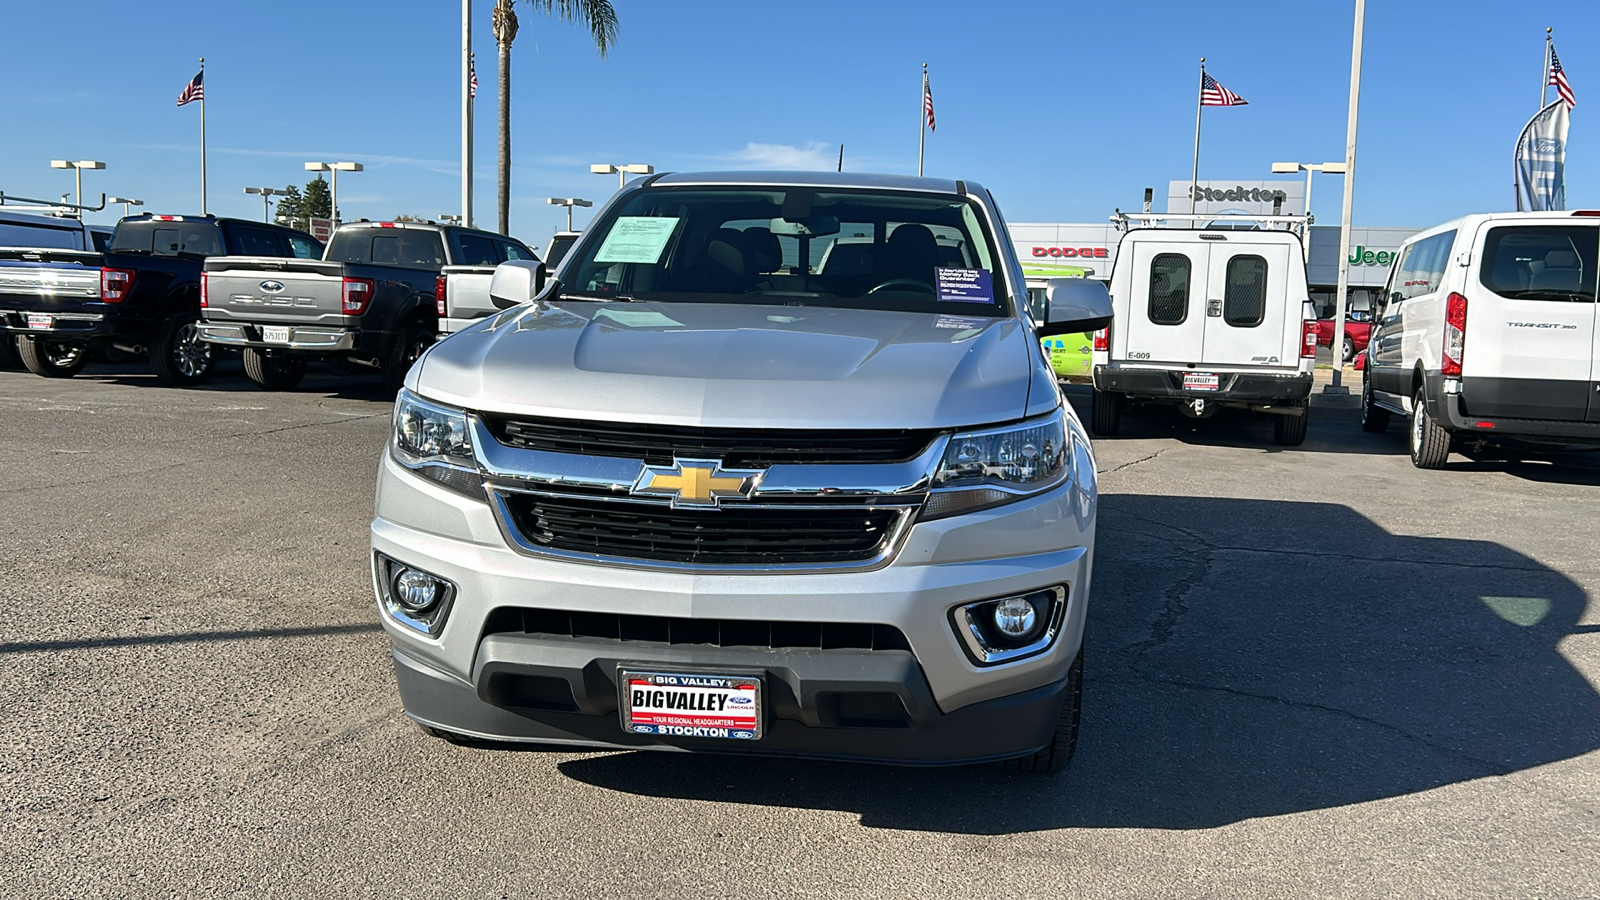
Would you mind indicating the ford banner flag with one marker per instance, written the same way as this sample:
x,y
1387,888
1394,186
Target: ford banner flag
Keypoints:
x,y
1540,159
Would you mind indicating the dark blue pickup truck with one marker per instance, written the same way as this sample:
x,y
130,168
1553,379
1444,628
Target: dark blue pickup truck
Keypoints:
x,y
141,296
372,300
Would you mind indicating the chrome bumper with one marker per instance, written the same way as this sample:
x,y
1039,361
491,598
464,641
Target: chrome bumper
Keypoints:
x,y
301,337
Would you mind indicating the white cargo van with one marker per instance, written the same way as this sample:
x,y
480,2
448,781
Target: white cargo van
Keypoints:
x,y
1487,333
1207,318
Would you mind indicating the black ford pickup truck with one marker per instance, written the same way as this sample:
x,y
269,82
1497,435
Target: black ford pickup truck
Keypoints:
x,y
372,300
141,296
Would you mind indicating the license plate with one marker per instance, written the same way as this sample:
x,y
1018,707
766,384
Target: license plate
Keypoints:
x,y
680,704
41,322
1200,381
275,334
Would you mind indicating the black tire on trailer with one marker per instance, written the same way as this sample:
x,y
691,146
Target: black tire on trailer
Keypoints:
x,y
272,371
1290,430
1430,444
52,359
178,356
1058,753
408,347
1105,413
1374,418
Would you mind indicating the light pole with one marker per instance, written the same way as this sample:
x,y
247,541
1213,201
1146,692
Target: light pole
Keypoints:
x,y
1340,301
1289,168
622,172
450,218
333,189
266,199
569,203
77,171
127,204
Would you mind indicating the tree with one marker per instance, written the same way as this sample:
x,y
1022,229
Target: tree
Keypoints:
x,y
298,208
596,15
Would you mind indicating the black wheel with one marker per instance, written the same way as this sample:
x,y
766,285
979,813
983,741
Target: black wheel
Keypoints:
x,y
1374,418
1058,753
1290,431
1430,444
1349,349
52,359
178,356
407,349
1105,413
273,371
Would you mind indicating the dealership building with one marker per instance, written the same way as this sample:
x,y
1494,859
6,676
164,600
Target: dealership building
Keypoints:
x,y
1090,248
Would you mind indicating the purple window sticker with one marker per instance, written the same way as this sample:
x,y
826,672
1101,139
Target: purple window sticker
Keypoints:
x,y
964,285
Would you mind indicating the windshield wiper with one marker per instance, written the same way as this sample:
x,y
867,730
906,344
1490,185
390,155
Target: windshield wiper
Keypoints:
x,y
625,298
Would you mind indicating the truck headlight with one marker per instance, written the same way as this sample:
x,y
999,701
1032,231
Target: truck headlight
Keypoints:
x,y
435,442
999,465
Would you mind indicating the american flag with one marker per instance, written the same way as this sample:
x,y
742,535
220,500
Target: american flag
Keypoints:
x,y
1213,94
472,85
1558,77
193,91
927,101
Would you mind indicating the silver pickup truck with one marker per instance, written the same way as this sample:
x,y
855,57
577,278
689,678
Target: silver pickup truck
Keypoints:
x,y
701,491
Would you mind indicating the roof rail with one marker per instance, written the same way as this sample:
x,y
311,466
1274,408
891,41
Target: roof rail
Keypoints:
x,y
1124,221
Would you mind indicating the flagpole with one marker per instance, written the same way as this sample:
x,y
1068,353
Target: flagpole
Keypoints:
x,y
1544,73
466,113
1194,175
922,118
202,136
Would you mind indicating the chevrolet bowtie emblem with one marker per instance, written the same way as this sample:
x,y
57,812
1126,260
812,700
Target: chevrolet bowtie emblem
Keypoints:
x,y
696,482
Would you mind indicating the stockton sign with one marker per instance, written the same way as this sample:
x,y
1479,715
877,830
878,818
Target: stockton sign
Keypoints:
x,y
1072,252
1240,194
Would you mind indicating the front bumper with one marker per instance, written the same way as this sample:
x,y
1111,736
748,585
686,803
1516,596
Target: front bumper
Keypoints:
x,y
948,708
1233,387
301,337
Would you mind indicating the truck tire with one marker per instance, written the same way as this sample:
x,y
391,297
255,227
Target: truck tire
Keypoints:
x,y
1290,431
1430,444
273,372
178,356
1105,413
1058,753
1349,349
1374,418
52,359
406,350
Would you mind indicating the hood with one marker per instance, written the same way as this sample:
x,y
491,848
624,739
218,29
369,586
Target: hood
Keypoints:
x,y
730,365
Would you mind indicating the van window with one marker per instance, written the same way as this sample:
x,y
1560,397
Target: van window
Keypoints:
x,y
1169,289
1422,269
1541,262
1244,296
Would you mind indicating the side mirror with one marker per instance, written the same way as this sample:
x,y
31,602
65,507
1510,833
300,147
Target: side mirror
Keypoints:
x,y
1074,305
1359,315
516,282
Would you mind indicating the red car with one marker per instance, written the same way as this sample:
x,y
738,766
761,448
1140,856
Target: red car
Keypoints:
x,y
1357,331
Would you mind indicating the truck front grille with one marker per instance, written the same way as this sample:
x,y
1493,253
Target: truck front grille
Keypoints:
x,y
711,632
730,535
736,447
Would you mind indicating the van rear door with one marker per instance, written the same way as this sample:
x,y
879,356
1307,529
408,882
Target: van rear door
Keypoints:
x,y
1166,302
1246,305
1530,338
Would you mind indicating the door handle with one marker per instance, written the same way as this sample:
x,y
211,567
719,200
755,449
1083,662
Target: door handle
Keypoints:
x,y
1213,307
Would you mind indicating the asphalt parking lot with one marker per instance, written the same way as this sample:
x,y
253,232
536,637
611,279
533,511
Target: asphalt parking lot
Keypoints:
x,y
1310,672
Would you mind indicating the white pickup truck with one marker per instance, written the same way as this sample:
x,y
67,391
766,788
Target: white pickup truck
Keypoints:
x,y
462,295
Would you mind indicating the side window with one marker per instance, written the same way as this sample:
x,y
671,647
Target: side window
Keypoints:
x,y
1441,259
256,242
517,251
1169,289
1423,267
1244,295
303,247
1541,262
476,250
1393,285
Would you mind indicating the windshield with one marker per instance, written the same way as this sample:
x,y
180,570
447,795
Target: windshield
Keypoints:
x,y
167,238
793,246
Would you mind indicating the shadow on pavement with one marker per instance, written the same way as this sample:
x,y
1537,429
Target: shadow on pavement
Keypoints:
x,y
1239,428
1236,670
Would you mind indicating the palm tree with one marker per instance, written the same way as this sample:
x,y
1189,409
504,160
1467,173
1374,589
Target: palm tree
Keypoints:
x,y
601,20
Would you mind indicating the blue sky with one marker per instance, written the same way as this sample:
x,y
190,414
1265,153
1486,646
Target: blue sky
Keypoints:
x,y
1065,111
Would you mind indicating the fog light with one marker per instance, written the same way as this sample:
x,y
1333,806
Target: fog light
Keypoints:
x,y
416,591
1015,618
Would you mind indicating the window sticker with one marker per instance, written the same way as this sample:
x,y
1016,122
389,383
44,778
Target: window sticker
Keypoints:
x,y
960,323
636,239
964,285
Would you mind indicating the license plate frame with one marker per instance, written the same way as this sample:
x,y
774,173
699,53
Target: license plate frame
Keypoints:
x,y
275,334
41,322
690,714
1201,381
